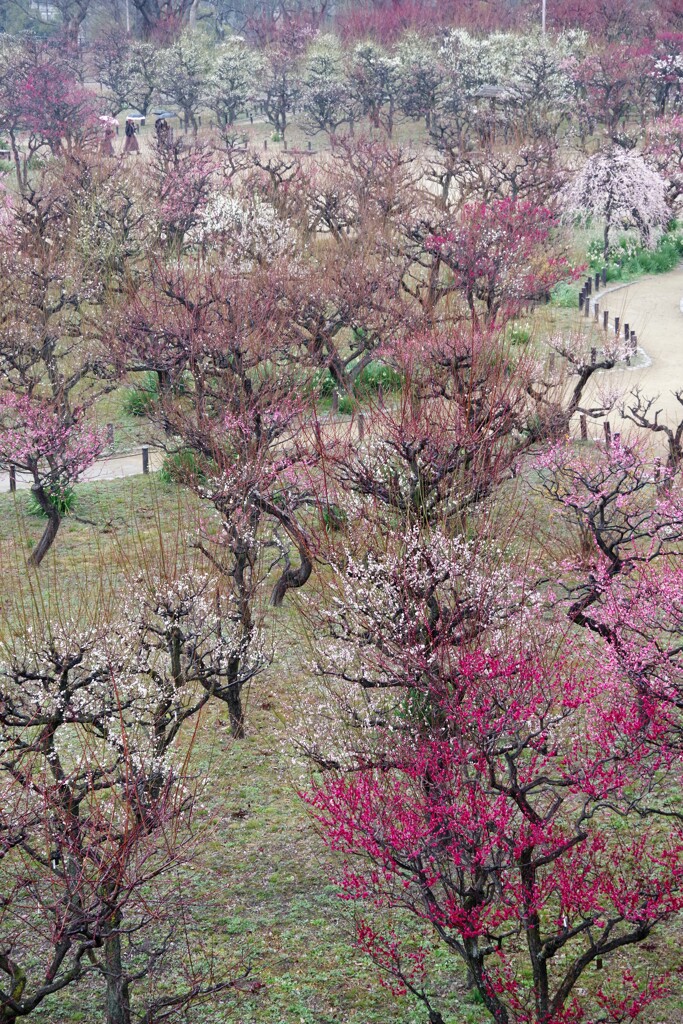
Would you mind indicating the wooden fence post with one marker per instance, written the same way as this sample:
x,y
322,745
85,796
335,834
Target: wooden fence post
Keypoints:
x,y
145,459
608,433
12,477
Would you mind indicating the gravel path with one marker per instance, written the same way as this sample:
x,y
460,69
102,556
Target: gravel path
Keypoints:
x,y
651,306
113,468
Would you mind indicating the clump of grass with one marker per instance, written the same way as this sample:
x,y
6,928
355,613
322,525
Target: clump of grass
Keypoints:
x,y
628,258
181,467
139,400
334,518
565,295
519,334
63,500
377,375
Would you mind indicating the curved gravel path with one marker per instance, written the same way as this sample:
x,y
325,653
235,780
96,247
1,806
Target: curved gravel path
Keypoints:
x,y
651,306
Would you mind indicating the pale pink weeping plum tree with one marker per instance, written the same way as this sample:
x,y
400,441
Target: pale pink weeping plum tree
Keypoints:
x,y
617,187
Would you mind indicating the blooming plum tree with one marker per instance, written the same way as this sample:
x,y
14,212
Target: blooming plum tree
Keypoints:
x,y
617,187
52,448
487,812
502,255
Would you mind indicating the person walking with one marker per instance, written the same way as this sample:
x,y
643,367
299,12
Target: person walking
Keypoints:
x,y
162,130
131,143
106,147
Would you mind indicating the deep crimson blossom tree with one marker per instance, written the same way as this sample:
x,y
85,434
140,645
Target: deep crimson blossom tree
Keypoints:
x,y
501,809
502,255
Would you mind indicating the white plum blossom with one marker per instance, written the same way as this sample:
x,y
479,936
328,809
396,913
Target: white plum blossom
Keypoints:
x,y
248,229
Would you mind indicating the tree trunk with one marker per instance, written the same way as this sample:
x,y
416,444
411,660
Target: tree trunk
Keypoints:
x,y
235,709
118,999
51,527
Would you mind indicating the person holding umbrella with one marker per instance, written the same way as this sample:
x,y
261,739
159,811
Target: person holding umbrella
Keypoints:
x,y
110,126
131,143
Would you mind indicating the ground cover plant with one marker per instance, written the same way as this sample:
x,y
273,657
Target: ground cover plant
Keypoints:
x,y
365,705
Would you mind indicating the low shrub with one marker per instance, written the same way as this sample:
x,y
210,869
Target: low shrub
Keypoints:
x,y
377,375
627,258
181,467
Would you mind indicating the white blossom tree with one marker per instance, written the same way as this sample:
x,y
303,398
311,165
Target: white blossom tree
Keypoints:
x,y
327,94
231,85
184,70
617,187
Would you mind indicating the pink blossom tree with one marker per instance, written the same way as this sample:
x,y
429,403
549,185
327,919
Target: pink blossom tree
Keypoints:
x,y
53,449
502,255
623,585
618,188
663,151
